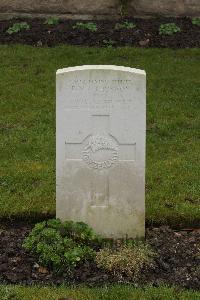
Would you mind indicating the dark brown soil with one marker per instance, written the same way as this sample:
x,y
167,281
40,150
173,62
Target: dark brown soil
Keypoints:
x,y
177,262
146,34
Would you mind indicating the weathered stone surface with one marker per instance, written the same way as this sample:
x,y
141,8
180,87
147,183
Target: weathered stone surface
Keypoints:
x,y
163,7
60,6
100,150
90,9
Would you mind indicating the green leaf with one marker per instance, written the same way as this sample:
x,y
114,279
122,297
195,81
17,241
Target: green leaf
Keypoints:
x,y
196,21
169,29
17,27
52,21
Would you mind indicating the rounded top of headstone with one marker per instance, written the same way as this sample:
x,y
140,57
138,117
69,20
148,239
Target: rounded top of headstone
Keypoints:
x,y
101,67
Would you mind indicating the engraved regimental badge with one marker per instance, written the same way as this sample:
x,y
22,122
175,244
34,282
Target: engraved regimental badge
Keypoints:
x,y
100,152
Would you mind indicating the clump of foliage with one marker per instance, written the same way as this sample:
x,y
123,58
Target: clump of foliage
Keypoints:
x,y
169,29
17,27
61,246
109,43
125,25
89,26
196,21
123,7
52,21
126,259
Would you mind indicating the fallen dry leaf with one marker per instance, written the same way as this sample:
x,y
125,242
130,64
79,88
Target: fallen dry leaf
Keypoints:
x,y
43,270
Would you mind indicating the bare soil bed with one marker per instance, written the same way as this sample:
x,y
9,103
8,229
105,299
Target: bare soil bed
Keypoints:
x,y
177,262
145,34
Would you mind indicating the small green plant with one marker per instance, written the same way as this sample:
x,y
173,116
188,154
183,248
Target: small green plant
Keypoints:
x,y
125,25
61,246
169,29
123,10
89,26
196,21
109,43
126,260
17,27
52,21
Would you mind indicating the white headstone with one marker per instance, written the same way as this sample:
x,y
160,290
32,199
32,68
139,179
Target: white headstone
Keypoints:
x,y
100,151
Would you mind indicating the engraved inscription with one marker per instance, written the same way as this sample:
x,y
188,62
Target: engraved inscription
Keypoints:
x,y
102,103
102,92
99,147
100,85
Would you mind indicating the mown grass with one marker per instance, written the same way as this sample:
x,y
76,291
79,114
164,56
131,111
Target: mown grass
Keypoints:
x,y
27,127
118,292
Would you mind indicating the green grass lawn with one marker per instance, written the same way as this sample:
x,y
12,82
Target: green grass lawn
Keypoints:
x,y
27,128
107,293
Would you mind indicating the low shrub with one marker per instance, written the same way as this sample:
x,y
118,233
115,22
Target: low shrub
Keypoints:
x,y
109,43
196,21
125,25
125,260
89,26
169,29
52,21
17,27
61,246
